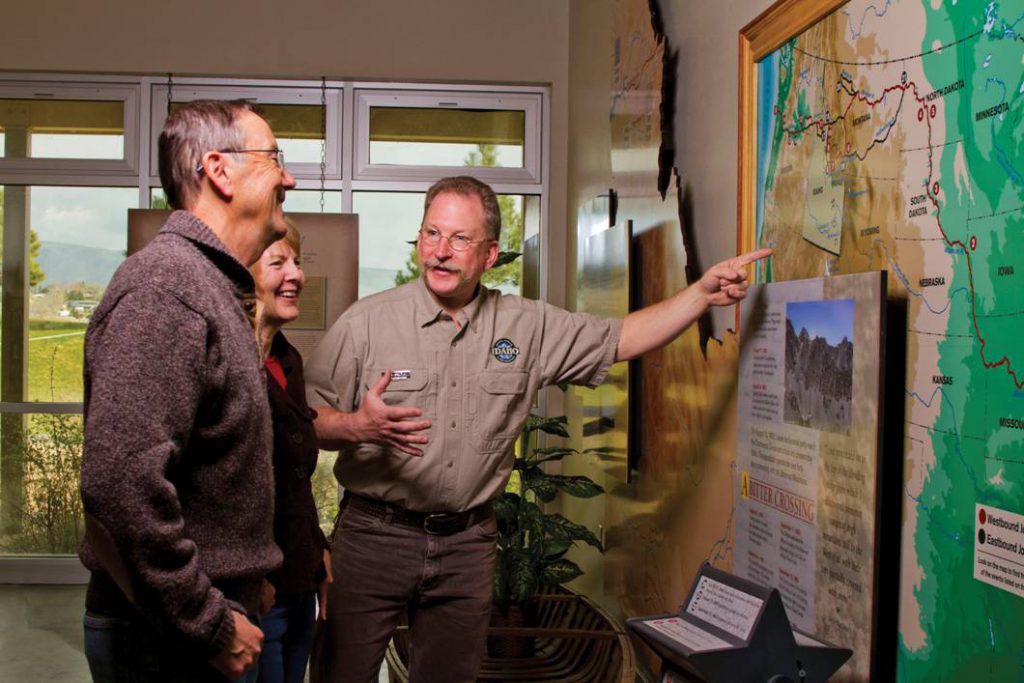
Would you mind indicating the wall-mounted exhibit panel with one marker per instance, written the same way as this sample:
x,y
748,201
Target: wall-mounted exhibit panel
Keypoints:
x,y
886,136
810,390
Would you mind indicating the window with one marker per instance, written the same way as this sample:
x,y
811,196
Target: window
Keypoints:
x,y
299,117
403,134
388,225
77,152
74,238
61,128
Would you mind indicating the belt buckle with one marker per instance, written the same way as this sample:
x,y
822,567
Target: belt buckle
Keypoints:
x,y
436,516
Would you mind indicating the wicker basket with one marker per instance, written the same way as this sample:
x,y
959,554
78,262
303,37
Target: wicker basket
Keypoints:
x,y
575,641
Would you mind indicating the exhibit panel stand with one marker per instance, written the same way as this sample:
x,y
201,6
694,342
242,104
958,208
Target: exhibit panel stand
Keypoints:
x,y
734,630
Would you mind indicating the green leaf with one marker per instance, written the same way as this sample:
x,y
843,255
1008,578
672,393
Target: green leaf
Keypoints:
x,y
559,572
555,549
560,527
548,425
555,450
581,487
504,257
506,507
522,579
550,454
531,517
542,487
603,449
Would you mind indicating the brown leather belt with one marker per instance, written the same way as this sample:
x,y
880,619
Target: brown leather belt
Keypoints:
x,y
433,523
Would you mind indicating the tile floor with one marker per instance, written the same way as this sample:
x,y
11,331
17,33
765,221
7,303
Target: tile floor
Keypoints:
x,y
41,635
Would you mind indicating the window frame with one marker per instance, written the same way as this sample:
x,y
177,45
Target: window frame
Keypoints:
x,y
145,98
530,103
22,171
259,94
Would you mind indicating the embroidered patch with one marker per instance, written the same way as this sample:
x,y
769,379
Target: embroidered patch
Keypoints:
x,y
399,375
504,350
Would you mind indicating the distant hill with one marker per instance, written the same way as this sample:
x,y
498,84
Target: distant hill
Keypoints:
x,y
69,263
66,263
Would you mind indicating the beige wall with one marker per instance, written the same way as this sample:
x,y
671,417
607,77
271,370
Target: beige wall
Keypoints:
x,y
706,34
705,130
483,41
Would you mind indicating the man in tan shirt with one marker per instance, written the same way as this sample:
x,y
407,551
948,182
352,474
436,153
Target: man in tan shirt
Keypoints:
x,y
424,388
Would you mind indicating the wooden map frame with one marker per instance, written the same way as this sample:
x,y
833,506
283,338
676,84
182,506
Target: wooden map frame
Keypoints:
x,y
779,23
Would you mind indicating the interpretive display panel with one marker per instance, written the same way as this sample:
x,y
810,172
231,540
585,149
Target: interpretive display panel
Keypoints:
x,y
886,135
735,630
807,452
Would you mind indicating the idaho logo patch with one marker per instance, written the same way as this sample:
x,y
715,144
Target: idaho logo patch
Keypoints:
x,y
504,350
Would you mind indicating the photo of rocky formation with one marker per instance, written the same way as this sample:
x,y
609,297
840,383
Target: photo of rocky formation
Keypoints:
x,y
819,364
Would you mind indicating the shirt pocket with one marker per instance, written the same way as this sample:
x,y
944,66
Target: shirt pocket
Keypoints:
x,y
499,406
411,388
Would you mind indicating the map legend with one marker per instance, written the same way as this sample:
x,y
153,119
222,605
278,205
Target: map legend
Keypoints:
x,y
999,549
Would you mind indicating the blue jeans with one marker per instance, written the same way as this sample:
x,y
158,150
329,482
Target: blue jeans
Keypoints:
x,y
288,629
131,650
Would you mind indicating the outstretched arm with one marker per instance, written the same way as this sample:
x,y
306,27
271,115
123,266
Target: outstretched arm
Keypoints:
x,y
373,422
654,326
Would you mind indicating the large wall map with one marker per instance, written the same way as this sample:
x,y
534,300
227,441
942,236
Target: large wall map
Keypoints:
x,y
890,137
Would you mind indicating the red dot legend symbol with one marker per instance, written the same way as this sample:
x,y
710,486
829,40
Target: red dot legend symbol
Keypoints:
x,y
935,189
932,111
981,512
920,114
974,244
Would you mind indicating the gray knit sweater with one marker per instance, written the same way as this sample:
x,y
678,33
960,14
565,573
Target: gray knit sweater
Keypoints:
x,y
177,459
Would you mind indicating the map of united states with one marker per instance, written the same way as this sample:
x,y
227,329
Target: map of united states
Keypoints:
x,y
890,136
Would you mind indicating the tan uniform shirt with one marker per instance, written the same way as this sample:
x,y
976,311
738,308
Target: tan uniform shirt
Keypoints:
x,y
476,384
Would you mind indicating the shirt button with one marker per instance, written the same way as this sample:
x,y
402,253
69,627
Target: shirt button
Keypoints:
x,y
454,384
297,437
453,424
450,463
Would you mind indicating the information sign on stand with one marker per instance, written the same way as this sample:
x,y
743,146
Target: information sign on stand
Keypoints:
x,y
732,629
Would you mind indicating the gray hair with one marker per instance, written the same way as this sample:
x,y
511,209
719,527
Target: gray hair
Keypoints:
x,y
468,186
190,132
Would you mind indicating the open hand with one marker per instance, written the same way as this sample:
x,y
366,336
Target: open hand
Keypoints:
x,y
388,425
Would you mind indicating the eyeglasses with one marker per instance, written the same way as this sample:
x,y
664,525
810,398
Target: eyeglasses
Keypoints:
x,y
458,242
277,154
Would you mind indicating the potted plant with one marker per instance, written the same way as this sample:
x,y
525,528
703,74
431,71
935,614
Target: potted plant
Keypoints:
x,y
532,543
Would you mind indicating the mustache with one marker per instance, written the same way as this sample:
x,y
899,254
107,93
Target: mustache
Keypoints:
x,y
434,263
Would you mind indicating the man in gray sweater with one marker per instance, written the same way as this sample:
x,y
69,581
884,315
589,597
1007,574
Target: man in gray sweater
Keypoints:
x,y
176,473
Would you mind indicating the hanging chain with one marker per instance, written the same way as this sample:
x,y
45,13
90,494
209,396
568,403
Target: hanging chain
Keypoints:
x,y
323,138
170,86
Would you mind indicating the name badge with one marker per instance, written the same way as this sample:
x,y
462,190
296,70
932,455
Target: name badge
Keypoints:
x,y
399,375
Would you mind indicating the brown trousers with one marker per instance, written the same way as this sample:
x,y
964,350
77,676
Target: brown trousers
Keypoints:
x,y
383,569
